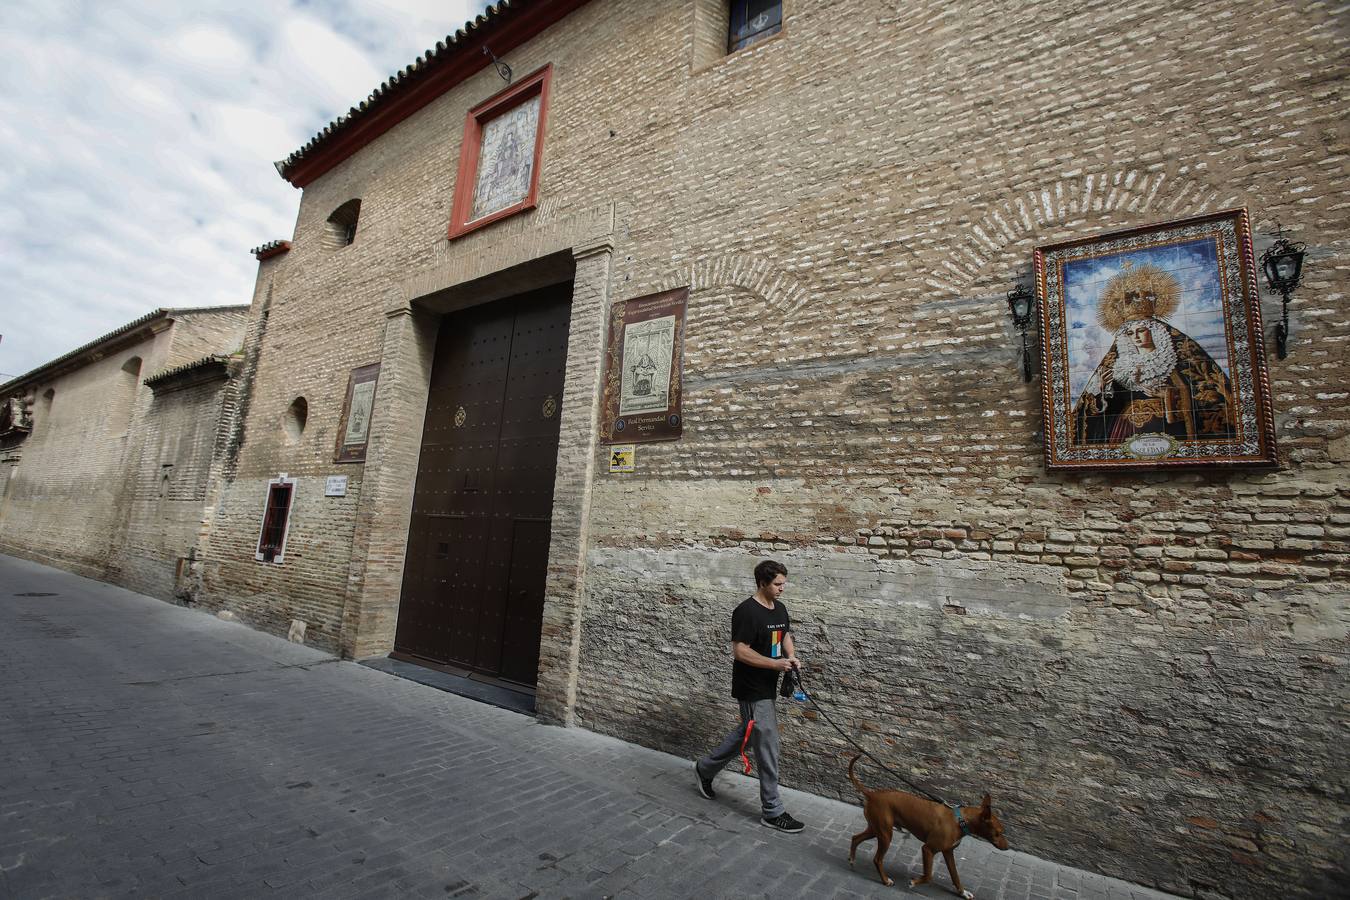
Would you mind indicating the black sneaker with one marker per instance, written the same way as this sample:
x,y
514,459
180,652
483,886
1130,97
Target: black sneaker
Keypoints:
x,y
704,784
783,822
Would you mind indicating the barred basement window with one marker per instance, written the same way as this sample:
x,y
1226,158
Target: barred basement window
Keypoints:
x,y
276,520
753,21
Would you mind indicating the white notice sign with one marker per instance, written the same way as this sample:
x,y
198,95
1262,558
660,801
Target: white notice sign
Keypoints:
x,y
335,486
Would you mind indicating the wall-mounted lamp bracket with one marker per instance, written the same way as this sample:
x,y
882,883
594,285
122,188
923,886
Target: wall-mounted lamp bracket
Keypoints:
x,y
1282,264
502,68
1020,303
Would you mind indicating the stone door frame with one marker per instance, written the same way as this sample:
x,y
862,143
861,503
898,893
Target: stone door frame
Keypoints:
x,y
379,544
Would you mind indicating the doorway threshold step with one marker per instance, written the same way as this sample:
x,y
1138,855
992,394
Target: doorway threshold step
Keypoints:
x,y
520,701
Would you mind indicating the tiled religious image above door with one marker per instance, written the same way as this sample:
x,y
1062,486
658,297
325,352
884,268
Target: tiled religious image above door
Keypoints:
x,y
500,154
1153,352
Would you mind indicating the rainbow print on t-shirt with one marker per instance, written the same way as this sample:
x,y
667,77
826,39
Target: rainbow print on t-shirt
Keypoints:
x,y
776,643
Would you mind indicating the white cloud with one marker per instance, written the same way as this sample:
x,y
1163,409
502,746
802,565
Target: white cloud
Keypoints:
x,y
206,49
137,140
330,66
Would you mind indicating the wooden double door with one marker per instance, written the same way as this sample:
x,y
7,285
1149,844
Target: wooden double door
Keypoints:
x,y
473,583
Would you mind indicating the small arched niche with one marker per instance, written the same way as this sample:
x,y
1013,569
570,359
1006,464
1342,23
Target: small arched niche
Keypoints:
x,y
293,422
340,229
43,416
120,402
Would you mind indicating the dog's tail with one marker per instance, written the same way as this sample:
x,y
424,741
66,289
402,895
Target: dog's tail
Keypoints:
x,y
854,778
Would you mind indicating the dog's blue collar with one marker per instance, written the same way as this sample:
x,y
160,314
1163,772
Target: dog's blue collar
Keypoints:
x,y
960,819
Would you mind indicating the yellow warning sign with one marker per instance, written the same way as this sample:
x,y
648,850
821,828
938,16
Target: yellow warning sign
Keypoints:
x,y
621,457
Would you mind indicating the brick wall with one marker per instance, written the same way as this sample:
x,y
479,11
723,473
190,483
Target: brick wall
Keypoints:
x,y
285,359
1145,670
87,491
64,500
165,504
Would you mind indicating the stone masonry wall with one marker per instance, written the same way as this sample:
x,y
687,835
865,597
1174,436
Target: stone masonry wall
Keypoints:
x,y
1146,671
75,500
168,495
169,474
65,498
285,359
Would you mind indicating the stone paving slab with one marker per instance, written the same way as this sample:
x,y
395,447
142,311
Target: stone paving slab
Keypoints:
x,y
148,750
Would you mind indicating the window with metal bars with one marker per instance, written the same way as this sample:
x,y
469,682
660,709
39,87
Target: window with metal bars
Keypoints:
x,y
752,21
276,522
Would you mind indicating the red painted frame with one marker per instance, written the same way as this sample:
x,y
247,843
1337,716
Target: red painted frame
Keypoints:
x,y
536,84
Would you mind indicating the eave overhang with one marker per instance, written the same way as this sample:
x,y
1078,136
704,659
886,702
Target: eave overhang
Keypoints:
x,y
502,27
208,368
133,332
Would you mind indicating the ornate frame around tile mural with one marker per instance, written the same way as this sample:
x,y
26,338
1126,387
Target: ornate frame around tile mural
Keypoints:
x,y
643,387
1152,349
358,409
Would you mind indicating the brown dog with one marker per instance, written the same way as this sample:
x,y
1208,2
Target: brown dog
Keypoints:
x,y
934,824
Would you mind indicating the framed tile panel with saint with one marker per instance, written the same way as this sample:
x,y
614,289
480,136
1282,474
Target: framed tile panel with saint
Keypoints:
x,y
357,410
644,366
1152,349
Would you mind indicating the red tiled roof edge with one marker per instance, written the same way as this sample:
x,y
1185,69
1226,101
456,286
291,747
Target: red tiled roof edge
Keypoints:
x,y
270,249
502,27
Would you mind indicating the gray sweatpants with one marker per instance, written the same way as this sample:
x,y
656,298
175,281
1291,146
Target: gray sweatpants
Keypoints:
x,y
763,740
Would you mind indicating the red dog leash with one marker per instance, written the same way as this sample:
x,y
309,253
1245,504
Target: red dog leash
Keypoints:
x,y
749,727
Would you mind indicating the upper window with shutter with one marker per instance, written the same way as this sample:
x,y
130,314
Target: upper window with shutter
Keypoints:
x,y
753,21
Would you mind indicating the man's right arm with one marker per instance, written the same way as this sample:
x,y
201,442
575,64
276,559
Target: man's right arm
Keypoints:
x,y
744,654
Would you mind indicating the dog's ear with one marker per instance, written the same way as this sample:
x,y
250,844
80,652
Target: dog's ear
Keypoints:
x,y
986,810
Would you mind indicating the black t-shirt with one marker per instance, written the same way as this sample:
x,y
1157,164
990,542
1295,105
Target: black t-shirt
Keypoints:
x,y
763,630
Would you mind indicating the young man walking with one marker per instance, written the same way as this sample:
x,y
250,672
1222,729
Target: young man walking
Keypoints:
x,y
761,641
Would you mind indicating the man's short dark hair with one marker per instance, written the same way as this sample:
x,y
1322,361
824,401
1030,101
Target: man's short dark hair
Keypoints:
x,y
768,570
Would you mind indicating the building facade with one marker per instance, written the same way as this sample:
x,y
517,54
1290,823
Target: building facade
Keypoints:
x,y
1146,669
106,459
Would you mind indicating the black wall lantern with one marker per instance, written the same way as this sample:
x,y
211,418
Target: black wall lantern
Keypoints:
x,y
1283,265
1020,303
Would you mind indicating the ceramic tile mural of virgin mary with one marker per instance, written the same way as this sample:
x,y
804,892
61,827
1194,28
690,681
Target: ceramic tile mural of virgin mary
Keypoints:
x,y
506,159
1153,348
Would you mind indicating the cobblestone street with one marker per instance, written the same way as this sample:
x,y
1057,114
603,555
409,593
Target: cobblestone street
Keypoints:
x,y
153,751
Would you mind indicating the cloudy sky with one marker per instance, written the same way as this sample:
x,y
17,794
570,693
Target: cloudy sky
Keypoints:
x,y
137,141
